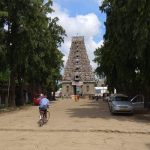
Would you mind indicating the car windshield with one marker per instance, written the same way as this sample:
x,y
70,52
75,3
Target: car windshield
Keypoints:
x,y
121,98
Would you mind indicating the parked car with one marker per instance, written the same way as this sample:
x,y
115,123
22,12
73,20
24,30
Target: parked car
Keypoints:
x,y
36,99
58,94
120,103
138,102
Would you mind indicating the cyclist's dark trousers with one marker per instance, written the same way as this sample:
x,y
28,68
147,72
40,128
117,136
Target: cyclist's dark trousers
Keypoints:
x,y
43,110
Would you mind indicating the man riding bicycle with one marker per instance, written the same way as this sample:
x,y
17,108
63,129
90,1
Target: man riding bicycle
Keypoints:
x,y
43,105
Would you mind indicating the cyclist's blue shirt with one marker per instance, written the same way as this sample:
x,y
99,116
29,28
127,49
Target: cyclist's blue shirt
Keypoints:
x,y
44,102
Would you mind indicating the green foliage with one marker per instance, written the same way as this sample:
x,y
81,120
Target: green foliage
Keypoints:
x,y
29,47
4,76
124,57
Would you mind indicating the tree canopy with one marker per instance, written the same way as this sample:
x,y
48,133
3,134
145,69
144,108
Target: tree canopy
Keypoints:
x,y
29,45
124,56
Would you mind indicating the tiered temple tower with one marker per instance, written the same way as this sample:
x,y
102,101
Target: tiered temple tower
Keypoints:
x,y
78,76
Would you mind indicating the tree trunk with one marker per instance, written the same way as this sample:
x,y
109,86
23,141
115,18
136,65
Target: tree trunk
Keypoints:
x,y
21,88
49,94
53,97
22,95
11,101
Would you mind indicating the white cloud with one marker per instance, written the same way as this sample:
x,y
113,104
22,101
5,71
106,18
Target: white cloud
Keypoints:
x,y
99,2
91,45
82,25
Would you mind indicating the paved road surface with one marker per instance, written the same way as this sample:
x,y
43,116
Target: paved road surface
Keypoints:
x,y
86,124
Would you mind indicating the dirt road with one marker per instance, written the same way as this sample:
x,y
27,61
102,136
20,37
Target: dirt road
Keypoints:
x,y
86,124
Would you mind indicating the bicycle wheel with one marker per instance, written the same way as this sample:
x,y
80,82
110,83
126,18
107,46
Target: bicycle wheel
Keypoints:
x,y
48,115
41,121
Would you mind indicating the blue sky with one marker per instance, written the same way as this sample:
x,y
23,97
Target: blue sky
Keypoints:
x,y
76,7
81,17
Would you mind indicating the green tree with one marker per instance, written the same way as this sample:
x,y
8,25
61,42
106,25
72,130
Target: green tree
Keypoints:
x,y
32,41
3,16
122,57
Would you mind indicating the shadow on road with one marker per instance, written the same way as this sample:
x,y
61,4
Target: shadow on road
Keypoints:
x,y
99,109
148,145
14,109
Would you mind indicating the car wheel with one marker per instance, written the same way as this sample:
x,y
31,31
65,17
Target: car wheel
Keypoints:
x,y
111,110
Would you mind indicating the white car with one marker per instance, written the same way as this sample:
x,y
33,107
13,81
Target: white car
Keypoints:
x,y
58,94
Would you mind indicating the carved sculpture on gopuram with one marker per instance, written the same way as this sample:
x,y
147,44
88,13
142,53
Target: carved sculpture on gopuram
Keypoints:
x,y
78,78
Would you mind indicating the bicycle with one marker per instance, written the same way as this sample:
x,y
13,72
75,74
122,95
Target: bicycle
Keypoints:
x,y
43,119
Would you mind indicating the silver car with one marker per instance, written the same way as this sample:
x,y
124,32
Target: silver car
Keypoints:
x,y
138,102
120,103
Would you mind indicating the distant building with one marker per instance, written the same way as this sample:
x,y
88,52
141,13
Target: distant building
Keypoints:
x,y
78,77
99,91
